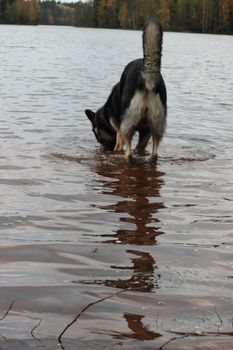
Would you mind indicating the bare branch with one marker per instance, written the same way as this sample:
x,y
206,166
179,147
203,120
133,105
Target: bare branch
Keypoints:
x,y
7,311
172,339
157,321
34,328
83,310
220,319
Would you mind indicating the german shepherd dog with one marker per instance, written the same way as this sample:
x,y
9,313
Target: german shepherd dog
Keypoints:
x,y
138,102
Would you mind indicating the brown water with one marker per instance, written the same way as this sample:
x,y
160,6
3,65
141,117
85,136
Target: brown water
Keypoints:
x,y
97,253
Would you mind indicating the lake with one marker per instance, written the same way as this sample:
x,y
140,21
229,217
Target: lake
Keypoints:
x,y
97,253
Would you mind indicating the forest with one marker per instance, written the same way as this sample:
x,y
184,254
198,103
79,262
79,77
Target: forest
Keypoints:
x,y
36,12
205,16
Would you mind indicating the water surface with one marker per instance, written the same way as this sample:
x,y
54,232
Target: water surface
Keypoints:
x,y
139,254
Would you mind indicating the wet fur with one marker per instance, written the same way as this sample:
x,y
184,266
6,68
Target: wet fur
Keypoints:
x,y
137,103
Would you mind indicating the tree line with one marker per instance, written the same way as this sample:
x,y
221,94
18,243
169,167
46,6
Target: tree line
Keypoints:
x,y
207,16
36,12
19,11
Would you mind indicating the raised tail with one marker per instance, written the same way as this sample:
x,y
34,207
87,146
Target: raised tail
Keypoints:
x,y
152,52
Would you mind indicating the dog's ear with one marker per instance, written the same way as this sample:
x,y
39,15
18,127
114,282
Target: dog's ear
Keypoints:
x,y
90,115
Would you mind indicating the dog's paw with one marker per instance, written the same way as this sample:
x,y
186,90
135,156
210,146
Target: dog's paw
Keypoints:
x,y
154,159
128,157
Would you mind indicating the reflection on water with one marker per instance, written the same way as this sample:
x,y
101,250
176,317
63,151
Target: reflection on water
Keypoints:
x,y
138,330
136,188
144,278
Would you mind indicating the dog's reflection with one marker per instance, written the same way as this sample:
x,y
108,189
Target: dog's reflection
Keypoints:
x,y
137,189
138,329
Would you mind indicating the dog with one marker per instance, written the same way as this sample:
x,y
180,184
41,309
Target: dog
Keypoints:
x,y
138,102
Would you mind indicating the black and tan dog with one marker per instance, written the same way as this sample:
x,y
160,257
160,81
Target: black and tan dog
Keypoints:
x,y
137,103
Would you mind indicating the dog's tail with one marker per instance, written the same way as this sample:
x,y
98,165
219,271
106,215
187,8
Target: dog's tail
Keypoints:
x,y
152,52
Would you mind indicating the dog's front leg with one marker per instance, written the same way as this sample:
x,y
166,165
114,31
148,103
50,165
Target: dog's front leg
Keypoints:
x,y
127,140
127,131
119,142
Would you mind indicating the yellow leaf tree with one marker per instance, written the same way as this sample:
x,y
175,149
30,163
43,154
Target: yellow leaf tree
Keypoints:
x,y
124,16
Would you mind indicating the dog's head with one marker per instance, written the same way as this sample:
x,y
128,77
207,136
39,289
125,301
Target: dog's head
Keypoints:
x,y
102,129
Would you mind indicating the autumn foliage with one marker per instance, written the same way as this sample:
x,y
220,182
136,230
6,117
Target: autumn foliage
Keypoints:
x,y
207,16
19,11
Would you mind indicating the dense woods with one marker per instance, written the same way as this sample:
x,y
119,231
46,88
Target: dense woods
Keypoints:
x,y
19,11
52,12
36,12
207,16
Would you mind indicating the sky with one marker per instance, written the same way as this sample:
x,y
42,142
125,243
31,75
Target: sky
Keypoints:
x,y
71,0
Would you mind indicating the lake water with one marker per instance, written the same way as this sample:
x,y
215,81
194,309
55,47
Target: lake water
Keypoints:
x,y
139,255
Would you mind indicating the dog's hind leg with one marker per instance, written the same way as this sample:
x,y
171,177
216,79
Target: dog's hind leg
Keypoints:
x,y
143,140
156,140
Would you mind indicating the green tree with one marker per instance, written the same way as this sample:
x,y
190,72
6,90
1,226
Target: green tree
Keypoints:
x,y
102,13
112,16
9,13
173,14
84,13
